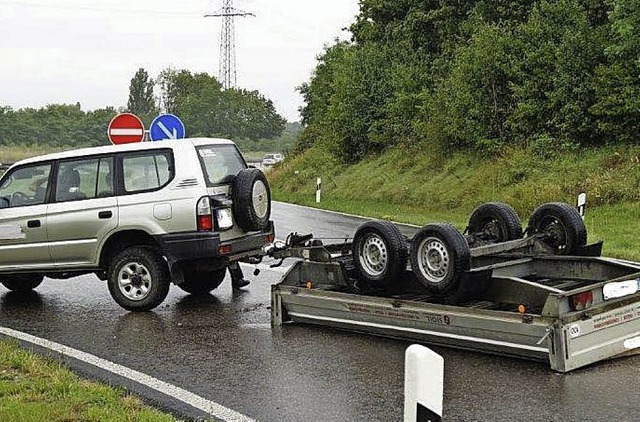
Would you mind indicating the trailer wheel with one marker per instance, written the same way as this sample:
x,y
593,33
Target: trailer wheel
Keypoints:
x,y
561,226
439,255
493,222
380,252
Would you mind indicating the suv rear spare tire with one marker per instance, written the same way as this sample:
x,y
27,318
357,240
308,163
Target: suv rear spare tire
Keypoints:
x,y
439,255
251,200
379,252
138,278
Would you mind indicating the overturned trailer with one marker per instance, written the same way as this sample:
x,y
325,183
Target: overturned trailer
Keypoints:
x,y
547,296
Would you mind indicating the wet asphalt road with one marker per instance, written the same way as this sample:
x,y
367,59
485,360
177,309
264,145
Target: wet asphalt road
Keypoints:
x,y
223,348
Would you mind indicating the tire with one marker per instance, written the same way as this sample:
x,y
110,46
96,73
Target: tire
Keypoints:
x,y
22,282
439,255
493,222
251,200
198,282
561,226
138,278
379,252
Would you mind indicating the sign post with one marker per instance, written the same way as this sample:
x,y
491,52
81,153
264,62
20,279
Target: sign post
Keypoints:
x,y
125,128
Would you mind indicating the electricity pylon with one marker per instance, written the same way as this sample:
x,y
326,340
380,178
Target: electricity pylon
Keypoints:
x,y
228,13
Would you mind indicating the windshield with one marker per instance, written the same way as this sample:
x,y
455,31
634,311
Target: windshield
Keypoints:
x,y
220,163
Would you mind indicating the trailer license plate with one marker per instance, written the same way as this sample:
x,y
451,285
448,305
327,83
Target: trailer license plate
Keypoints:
x,y
620,288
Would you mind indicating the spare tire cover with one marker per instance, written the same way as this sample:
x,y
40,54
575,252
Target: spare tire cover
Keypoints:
x,y
251,200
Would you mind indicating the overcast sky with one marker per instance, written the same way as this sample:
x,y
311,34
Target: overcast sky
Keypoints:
x,y
87,51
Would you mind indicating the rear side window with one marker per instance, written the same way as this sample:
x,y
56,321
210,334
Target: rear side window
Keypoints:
x,y
84,179
220,163
147,172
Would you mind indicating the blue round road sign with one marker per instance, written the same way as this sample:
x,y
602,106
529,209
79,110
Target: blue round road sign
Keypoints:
x,y
166,126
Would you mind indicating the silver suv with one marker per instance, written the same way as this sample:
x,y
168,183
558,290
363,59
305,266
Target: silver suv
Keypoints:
x,y
137,215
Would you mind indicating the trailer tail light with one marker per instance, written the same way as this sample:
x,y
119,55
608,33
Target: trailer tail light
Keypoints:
x,y
224,250
269,238
581,301
204,218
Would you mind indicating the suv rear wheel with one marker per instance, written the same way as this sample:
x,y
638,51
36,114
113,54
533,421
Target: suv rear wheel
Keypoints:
x,y
199,282
138,278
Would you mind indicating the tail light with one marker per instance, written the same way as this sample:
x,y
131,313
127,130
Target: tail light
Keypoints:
x,y
581,301
204,218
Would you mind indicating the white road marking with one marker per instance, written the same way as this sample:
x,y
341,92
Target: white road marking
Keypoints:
x,y
214,409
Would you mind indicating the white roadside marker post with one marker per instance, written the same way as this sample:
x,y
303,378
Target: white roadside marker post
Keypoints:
x,y
582,204
318,189
423,385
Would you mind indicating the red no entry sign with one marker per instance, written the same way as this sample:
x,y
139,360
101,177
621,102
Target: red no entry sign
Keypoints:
x,y
125,128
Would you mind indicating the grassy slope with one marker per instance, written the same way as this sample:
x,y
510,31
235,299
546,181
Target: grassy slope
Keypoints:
x,y
37,389
418,186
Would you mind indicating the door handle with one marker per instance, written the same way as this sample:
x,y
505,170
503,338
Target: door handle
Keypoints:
x,y
32,224
103,215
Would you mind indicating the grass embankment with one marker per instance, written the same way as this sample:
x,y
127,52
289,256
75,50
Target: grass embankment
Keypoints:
x,y
416,186
10,154
37,389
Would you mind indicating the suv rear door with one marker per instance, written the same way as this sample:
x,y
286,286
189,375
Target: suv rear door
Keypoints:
x,y
84,210
23,231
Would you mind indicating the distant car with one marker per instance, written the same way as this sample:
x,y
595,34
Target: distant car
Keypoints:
x,y
138,215
271,159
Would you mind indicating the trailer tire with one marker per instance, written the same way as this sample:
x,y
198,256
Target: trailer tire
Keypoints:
x,y
493,222
379,252
439,255
201,282
562,227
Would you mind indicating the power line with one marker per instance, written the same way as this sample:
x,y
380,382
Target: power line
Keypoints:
x,y
228,13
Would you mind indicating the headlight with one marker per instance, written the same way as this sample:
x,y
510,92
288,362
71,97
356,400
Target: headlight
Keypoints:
x,y
224,218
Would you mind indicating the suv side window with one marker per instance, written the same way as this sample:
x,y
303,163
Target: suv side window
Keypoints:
x,y
25,186
84,179
146,172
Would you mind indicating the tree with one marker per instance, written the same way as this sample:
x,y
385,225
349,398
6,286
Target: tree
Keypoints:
x,y
208,110
141,100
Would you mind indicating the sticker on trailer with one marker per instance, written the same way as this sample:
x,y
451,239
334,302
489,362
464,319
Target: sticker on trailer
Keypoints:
x,y
430,318
574,331
616,318
618,289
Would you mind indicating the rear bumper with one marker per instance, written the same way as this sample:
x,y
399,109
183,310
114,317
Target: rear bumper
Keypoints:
x,y
194,246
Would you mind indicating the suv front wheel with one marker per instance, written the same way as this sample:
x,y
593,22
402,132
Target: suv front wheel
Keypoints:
x,y
138,278
22,282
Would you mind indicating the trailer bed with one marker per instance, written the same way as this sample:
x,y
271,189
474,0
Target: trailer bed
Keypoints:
x,y
529,307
